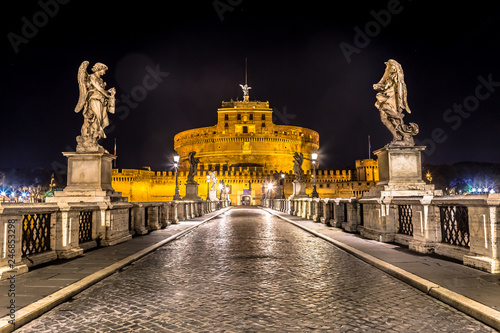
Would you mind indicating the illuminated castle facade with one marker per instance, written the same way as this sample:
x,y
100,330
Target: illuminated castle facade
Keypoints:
x,y
247,151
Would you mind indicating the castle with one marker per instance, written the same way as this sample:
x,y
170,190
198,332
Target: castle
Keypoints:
x,y
247,151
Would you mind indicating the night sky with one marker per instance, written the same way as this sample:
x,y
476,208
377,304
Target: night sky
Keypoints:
x,y
313,62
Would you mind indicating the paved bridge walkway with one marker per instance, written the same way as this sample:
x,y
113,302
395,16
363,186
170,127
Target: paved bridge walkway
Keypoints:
x,y
247,270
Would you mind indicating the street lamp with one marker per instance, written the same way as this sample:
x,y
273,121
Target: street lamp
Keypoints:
x,y
221,187
314,193
428,176
282,186
269,189
208,186
176,166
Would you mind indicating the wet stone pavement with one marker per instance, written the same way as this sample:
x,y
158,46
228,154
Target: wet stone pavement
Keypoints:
x,y
248,271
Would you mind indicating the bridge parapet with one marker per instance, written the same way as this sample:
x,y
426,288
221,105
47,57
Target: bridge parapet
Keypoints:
x,y
465,228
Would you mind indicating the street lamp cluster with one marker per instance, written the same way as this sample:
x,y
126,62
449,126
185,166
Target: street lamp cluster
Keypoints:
x,y
25,194
484,190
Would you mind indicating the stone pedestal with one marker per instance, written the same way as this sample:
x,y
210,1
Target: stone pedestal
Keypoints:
x,y
400,174
89,179
192,191
213,195
89,189
299,190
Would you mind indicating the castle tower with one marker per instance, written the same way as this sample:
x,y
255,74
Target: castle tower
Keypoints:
x,y
245,136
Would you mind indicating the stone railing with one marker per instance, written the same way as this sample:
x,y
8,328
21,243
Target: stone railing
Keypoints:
x,y
38,233
466,228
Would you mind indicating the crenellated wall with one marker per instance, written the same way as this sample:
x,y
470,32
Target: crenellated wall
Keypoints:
x,y
152,186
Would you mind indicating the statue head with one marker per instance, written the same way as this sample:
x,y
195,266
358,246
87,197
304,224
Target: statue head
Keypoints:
x,y
99,67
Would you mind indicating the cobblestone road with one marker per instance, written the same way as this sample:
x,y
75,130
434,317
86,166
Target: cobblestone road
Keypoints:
x,y
248,271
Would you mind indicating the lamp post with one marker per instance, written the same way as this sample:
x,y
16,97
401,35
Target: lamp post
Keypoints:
x,y
176,166
282,186
269,189
314,193
208,186
221,187
428,176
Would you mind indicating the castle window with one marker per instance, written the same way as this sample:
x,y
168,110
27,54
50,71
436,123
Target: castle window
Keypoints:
x,y
263,124
251,117
226,125
245,129
263,117
226,117
238,116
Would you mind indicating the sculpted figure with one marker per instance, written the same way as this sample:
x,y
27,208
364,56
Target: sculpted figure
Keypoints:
x,y
193,166
96,102
213,180
392,101
297,166
245,89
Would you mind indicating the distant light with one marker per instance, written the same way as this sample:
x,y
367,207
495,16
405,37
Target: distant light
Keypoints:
x,y
492,191
473,190
314,156
270,186
2,193
176,158
282,175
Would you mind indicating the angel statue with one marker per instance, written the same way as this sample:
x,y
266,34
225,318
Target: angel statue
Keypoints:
x,y
297,166
213,180
391,102
245,89
95,102
193,166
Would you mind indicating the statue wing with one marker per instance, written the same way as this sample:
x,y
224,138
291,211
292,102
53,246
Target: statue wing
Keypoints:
x,y
82,85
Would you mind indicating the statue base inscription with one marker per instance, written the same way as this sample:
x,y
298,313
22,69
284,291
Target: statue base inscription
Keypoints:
x,y
299,190
192,192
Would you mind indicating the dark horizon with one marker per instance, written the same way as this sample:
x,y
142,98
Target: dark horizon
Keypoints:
x,y
315,66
